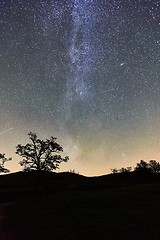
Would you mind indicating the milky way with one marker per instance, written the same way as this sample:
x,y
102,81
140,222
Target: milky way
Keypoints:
x,y
86,71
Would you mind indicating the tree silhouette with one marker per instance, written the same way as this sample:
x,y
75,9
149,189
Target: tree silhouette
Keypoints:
x,y
124,170
114,170
154,166
40,155
3,159
121,170
142,166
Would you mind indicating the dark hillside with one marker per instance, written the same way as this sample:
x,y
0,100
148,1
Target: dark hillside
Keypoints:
x,y
50,182
68,206
125,212
15,185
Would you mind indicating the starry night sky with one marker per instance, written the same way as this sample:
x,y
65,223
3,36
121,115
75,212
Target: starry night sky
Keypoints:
x,y
85,71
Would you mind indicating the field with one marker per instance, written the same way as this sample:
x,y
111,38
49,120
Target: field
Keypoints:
x,y
107,207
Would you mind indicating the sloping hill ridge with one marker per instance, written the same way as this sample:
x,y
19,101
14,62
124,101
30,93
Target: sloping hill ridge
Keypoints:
x,y
51,181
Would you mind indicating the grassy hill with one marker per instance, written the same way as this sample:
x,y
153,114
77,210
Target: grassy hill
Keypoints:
x,y
73,207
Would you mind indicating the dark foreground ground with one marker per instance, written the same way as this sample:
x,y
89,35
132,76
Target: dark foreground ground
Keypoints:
x,y
86,208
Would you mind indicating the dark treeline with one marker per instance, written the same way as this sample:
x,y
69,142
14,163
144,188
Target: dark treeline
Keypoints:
x,y
152,166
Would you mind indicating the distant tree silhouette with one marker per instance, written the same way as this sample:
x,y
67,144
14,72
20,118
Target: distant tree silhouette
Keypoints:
x,y
154,166
121,170
127,169
114,170
40,155
73,171
3,159
142,166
